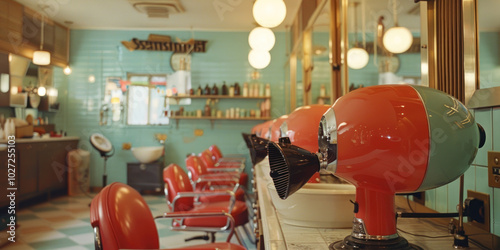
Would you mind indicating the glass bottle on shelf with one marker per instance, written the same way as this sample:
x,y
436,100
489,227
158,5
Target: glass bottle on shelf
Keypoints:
x,y
224,89
215,90
207,90
245,89
268,90
237,90
199,91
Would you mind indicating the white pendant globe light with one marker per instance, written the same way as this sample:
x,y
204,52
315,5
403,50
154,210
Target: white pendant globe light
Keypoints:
x,y
42,91
397,39
357,58
41,57
259,59
261,39
269,13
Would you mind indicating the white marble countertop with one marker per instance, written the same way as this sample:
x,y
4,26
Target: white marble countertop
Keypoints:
x,y
278,235
38,140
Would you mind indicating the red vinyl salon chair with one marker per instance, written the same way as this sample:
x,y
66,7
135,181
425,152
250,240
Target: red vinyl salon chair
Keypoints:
x,y
202,180
384,139
228,167
218,157
181,198
122,220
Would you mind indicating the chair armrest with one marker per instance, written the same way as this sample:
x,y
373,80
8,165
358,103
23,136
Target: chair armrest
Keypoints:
x,y
225,169
232,200
232,159
227,177
183,215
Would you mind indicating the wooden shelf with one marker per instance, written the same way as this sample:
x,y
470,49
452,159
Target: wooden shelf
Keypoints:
x,y
218,97
219,118
212,119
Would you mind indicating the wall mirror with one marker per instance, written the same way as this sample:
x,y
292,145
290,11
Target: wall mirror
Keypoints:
x,y
383,43
479,20
489,40
320,50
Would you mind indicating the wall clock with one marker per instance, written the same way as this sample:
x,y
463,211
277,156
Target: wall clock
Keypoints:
x,y
180,61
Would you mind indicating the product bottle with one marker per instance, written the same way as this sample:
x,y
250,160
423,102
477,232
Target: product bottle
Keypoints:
x,y
199,91
237,90
207,110
231,91
191,91
224,89
268,90
1,133
12,128
215,90
245,89
207,90
322,91
261,89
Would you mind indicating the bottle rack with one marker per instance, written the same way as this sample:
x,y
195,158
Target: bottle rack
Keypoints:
x,y
212,119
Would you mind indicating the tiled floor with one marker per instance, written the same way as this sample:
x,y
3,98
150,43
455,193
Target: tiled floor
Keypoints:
x,y
63,223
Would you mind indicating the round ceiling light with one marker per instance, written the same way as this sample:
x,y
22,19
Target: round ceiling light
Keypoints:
x,y
259,59
42,91
357,58
269,13
261,39
397,39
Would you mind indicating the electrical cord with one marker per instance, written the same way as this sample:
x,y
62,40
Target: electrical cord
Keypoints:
x,y
425,236
409,205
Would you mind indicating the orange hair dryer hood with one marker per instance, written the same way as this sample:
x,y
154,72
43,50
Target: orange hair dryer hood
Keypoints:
x,y
385,140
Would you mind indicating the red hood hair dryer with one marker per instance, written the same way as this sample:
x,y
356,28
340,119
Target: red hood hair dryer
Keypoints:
x,y
384,140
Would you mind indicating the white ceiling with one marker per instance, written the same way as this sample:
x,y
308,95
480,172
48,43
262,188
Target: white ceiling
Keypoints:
x,y
226,15
120,14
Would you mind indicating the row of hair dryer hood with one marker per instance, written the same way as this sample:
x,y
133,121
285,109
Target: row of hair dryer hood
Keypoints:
x,y
384,140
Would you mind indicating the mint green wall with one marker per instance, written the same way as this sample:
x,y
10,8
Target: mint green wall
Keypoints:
x,y
445,198
99,52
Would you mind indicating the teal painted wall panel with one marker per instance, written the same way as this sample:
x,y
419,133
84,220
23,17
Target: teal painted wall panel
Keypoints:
x,y
100,53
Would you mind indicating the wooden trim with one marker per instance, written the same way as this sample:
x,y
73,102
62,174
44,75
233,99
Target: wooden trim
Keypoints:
x,y
293,81
307,66
335,51
343,49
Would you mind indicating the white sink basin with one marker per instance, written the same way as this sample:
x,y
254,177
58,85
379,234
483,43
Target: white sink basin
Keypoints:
x,y
147,154
318,205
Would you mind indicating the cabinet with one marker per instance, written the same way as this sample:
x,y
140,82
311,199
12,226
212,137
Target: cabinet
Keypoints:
x,y
145,177
41,168
199,109
27,167
55,37
11,25
20,33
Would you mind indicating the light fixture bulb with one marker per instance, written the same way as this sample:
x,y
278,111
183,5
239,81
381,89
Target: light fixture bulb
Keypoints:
x,y
259,59
42,91
397,39
269,13
67,70
91,79
261,39
41,57
357,58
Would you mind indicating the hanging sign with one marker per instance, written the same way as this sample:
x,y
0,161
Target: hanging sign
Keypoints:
x,y
165,43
